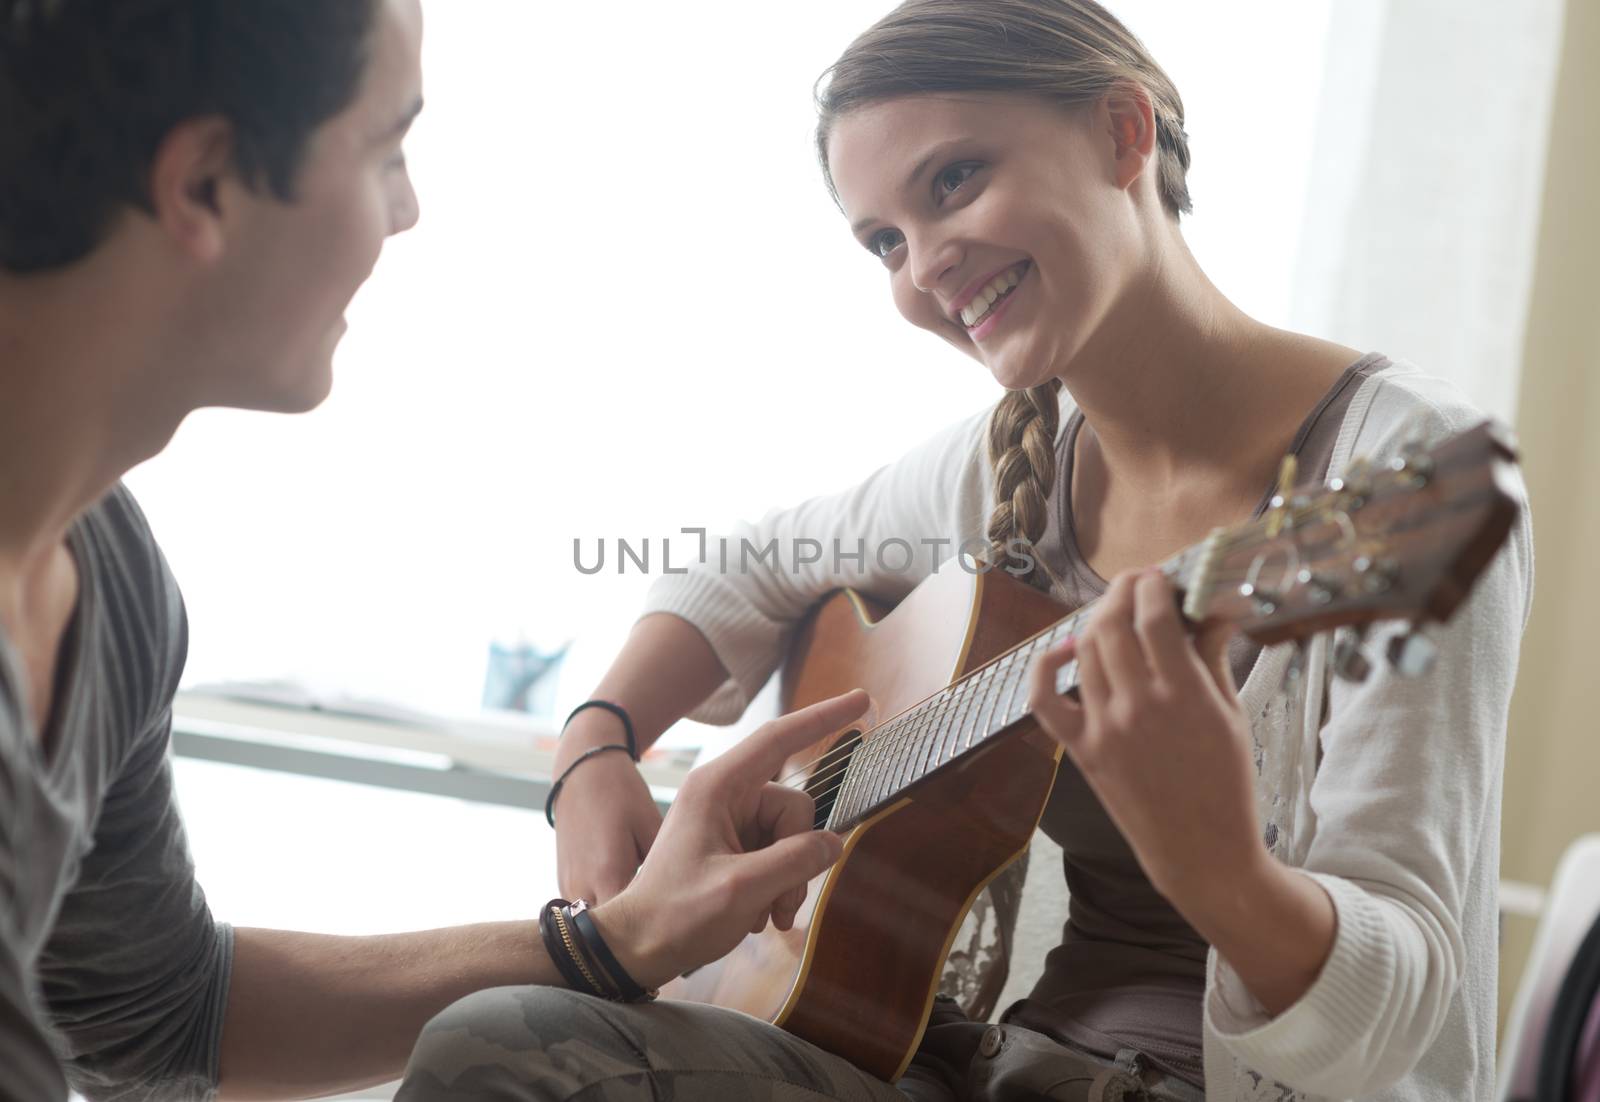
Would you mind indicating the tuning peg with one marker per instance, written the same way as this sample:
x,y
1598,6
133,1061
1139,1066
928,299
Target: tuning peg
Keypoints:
x,y
1415,463
1412,654
1265,601
1350,660
1320,590
1376,575
1355,485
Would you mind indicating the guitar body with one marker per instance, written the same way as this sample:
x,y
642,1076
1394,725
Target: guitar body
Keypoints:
x,y
858,972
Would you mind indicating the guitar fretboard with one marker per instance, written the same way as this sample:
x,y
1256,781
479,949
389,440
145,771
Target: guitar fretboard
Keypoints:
x,y
954,721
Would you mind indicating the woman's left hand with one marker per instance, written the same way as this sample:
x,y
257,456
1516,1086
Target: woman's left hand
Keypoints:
x,y
1159,734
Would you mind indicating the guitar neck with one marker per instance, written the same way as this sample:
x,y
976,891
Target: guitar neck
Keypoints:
x,y
956,721
1406,540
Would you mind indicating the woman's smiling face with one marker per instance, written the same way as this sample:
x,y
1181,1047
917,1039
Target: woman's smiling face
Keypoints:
x,y
1009,224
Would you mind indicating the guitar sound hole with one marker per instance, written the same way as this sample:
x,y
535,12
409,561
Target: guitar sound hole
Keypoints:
x,y
828,778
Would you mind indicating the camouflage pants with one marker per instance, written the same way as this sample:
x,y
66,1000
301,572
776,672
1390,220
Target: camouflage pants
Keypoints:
x,y
546,1044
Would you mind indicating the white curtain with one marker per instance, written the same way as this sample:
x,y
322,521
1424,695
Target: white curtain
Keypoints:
x,y
1427,172
607,299
1420,225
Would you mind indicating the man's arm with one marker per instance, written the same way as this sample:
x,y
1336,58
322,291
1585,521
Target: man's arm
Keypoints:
x,y
312,1014
28,1071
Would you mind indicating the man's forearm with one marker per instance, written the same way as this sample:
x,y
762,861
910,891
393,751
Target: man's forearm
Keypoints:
x,y
313,1014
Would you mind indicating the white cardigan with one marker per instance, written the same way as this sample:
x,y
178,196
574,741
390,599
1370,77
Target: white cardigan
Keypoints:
x,y
1392,804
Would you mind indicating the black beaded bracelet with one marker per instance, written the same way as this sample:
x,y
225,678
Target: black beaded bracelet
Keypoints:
x,y
616,710
629,990
555,789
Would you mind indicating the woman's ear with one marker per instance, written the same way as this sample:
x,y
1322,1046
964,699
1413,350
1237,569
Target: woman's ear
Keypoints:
x,y
192,166
1130,123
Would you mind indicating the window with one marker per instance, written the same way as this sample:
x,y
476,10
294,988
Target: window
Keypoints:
x,y
629,308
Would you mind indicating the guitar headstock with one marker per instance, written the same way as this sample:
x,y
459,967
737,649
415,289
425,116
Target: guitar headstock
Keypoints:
x,y
1401,541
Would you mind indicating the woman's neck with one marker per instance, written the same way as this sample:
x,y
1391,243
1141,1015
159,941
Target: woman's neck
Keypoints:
x,y
1180,382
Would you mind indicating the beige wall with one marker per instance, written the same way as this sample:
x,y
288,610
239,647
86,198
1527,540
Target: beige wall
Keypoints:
x,y
1552,788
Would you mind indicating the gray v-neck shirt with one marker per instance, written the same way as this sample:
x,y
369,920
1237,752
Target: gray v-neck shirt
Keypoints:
x,y
1130,972
113,973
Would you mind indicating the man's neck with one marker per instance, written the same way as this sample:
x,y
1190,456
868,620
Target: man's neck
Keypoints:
x,y
80,406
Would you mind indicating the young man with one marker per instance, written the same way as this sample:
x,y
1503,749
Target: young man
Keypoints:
x,y
193,192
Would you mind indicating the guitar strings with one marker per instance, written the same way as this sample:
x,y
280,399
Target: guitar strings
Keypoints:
x,y
836,780
829,771
1172,567
944,750
898,728
906,730
896,725
840,779
1237,537
910,729
923,738
1243,536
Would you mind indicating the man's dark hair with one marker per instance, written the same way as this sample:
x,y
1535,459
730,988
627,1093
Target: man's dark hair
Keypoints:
x,y
90,88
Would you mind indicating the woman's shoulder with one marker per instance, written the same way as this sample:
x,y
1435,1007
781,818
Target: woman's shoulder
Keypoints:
x,y
1406,405
1405,400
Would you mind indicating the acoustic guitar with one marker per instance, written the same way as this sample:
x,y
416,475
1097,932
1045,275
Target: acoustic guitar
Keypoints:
x,y
943,783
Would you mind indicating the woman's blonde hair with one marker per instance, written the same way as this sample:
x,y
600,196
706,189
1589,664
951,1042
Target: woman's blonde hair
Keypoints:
x,y
1069,51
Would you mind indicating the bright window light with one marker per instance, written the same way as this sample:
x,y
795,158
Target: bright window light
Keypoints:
x,y
629,308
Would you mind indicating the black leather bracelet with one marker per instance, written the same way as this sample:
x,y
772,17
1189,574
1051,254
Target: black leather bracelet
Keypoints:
x,y
560,955
616,710
629,989
555,789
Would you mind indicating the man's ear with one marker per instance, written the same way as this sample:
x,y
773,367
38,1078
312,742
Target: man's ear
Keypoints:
x,y
192,166
1131,125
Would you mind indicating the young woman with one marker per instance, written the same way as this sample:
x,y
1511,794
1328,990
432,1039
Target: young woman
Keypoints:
x,y
1018,168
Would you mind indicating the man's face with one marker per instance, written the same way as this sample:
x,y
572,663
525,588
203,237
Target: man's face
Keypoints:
x,y
292,268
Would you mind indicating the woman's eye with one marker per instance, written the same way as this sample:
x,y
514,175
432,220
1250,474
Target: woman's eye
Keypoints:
x,y
885,242
953,177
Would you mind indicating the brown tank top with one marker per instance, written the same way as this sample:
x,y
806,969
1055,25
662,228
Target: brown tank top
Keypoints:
x,y
1130,972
